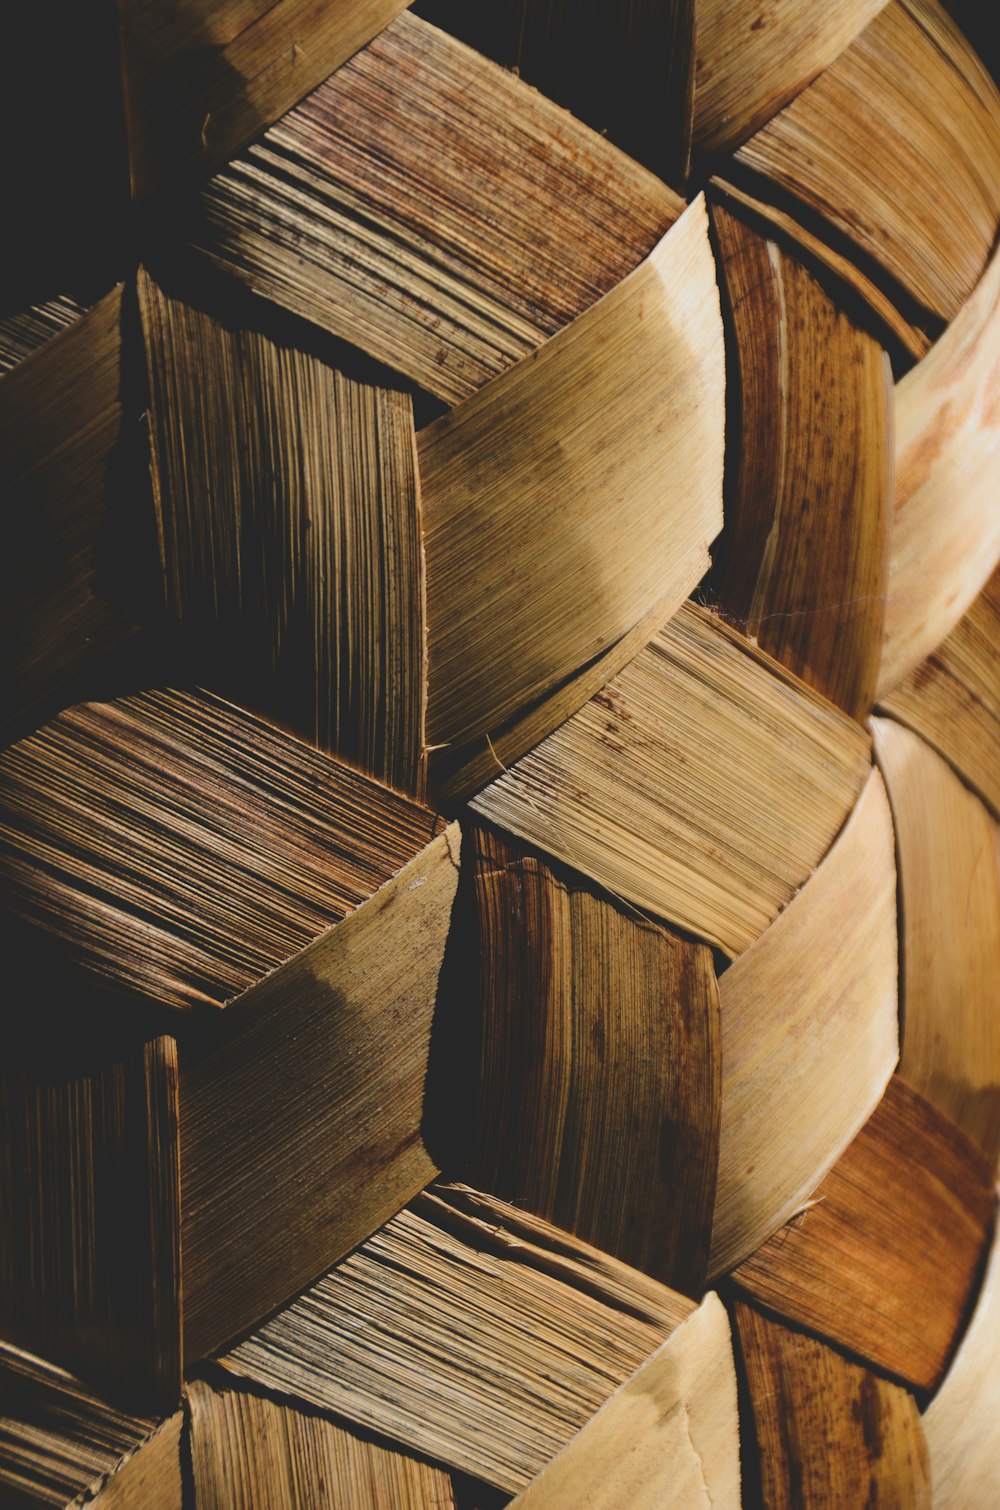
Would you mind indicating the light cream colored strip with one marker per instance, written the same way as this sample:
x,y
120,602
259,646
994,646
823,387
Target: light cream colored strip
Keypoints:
x,y
574,492
953,698
703,784
809,1034
962,1424
946,527
948,848
669,1437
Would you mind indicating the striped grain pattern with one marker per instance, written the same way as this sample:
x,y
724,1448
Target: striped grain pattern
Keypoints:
x,y
962,1423
61,1445
201,79
626,70
803,561
906,332
26,330
669,1435
60,426
666,791
894,150
235,846
308,1095
429,208
948,847
753,59
947,454
287,520
247,1450
809,1021
884,1261
952,700
507,1336
602,447
827,1431
580,418
581,1005
89,1208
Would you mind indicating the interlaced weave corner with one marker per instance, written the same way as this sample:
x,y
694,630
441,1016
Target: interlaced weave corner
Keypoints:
x,y
501,775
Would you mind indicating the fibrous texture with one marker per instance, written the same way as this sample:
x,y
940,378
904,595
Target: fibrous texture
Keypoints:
x,y
500,776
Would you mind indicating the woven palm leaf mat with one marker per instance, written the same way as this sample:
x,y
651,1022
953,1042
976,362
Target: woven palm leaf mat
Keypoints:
x,y
502,757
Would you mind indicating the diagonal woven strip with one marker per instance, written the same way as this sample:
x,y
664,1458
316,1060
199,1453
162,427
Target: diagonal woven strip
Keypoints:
x,y
501,761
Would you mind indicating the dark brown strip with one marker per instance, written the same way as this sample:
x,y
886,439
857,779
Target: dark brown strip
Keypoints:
x,y
599,1073
828,1432
803,560
885,1259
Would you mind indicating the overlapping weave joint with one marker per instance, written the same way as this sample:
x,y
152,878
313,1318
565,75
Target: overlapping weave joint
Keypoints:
x,y
501,781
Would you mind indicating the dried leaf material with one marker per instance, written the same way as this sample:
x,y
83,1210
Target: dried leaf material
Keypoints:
x,y
703,784
287,517
952,700
962,1423
946,509
574,493
178,848
248,1451
896,150
507,1335
884,1260
803,560
62,1445
598,1099
948,849
26,330
909,335
626,70
828,1431
668,1437
89,1212
809,1035
60,419
430,208
309,1094
201,79
752,60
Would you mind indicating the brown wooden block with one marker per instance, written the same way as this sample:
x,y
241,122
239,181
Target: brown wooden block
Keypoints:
x,y
828,1431
583,1005
283,918
90,1209
885,1259
813,396
608,442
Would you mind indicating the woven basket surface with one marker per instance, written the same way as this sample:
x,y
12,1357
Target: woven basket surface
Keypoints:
x,y
501,765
